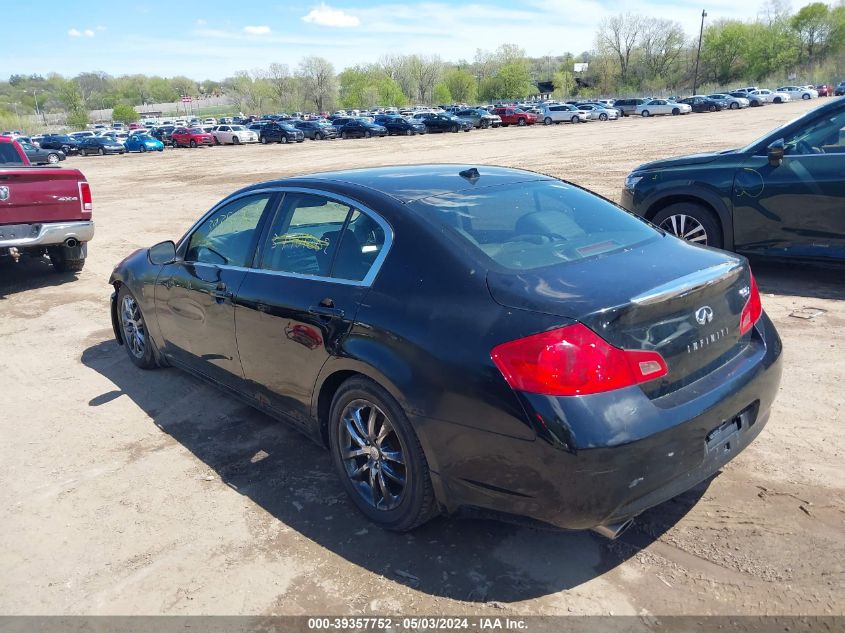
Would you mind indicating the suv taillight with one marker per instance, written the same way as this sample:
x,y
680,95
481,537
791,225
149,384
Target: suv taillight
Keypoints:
x,y
85,196
573,361
753,308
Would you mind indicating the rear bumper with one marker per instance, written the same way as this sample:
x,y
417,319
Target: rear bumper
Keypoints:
x,y
47,234
607,457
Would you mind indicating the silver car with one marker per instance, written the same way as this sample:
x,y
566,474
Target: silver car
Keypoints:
x,y
729,102
599,111
653,107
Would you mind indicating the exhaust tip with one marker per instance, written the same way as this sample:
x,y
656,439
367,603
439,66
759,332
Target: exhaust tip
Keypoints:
x,y
71,242
612,531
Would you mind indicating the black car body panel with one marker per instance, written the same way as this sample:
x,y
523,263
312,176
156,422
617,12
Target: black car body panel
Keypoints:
x,y
794,208
315,130
445,123
574,461
702,104
67,144
360,128
100,145
396,124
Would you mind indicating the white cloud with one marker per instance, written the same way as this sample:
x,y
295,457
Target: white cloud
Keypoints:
x,y
74,33
324,15
88,33
257,30
100,28
201,22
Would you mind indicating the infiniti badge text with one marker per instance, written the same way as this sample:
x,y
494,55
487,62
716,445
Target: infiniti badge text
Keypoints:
x,y
707,340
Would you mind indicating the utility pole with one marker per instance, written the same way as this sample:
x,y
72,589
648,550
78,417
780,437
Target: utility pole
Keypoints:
x,y
698,55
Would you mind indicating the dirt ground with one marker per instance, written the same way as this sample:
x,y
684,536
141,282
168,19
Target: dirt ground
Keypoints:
x,y
130,492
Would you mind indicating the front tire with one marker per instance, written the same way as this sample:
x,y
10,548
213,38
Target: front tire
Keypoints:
x,y
548,121
602,117
53,159
142,149
133,328
675,111
645,113
101,152
192,144
521,122
691,221
575,119
805,96
378,457
734,105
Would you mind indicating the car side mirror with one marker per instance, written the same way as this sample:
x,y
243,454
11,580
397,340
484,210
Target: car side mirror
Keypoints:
x,y
776,152
162,253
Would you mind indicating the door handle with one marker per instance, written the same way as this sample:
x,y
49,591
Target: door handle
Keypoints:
x,y
326,312
220,293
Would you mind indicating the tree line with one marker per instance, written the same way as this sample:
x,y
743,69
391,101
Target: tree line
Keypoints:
x,y
633,54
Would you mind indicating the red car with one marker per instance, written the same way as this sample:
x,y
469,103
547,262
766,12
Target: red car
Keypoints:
x,y
824,90
515,116
190,137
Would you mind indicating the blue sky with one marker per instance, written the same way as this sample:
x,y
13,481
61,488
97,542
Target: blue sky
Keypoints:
x,y
219,38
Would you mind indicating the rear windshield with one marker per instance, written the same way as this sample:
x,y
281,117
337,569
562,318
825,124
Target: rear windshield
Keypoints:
x,y
9,155
532,225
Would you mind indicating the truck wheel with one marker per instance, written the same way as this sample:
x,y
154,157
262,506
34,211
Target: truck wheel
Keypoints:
x,y
691,221
133,330
61,264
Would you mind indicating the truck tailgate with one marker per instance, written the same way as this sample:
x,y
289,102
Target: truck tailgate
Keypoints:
x,y
37,195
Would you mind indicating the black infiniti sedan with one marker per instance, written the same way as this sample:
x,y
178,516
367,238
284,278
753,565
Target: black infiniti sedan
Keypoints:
x,y
465,337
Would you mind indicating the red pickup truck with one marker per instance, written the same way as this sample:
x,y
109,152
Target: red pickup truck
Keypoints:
x,y
43,210
515,116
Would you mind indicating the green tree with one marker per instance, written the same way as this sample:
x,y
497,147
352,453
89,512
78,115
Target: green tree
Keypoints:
x,y
813,24
722,50
514,81
124,113
564,83
461,84
441,95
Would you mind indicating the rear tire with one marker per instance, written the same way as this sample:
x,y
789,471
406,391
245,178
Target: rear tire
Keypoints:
x,y
454,129
691,221
53,159
405,473
133,330
283,139
63,265
645,113
101,152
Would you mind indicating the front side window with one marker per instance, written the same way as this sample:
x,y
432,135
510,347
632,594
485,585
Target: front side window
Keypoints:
x,y
317,236
825,136
227,236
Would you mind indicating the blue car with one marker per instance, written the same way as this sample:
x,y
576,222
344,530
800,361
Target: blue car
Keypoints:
x,y
143,143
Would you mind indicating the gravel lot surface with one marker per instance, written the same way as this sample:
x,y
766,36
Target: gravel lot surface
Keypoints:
x,y
129,492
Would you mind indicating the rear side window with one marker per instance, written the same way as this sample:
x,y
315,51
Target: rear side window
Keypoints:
x,y
9,155
532,225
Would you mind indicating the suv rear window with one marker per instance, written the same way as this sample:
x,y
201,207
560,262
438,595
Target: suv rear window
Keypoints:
x,y
536,224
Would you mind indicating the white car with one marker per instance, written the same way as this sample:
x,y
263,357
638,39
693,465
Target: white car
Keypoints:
x,y
562,112
799,92
210,121
233,134
662,106
770,96
598,111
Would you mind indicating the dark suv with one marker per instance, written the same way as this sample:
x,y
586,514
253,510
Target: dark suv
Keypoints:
x,y
67,144
627,107
274,132
840,89
316,130
781,196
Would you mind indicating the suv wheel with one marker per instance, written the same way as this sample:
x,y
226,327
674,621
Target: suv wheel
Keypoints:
x,y
521,122
690,221
645,113
548,121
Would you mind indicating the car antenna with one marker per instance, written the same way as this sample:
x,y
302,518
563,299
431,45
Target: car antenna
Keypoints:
x,y
470,174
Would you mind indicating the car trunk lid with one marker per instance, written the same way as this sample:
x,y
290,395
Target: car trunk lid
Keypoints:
x,y
666,296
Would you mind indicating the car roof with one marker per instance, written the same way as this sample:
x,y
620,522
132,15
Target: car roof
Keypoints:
x,y
407,183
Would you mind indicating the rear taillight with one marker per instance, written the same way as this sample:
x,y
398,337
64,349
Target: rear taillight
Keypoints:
x,y
753,308
573,361
85,196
